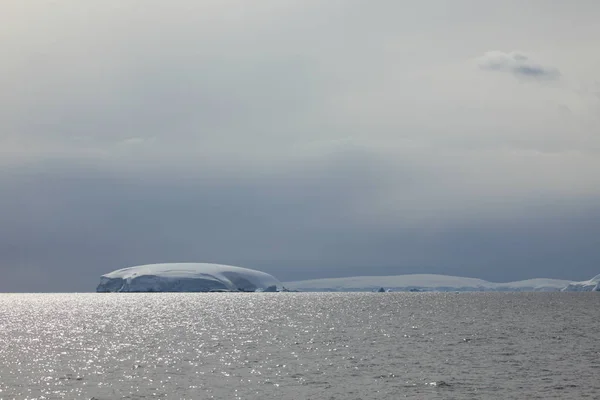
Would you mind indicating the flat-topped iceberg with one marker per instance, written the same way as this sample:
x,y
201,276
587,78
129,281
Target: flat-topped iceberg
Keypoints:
x,y
593,285
186,277
423,282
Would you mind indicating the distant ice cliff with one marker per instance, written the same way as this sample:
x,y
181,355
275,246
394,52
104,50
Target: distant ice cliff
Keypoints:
x,y
424,282
593,285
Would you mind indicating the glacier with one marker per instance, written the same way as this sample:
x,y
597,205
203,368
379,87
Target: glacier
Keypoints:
x,y
186,277
592,285
423,282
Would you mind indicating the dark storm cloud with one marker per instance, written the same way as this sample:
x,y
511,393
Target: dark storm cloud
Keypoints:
x,y
63,225
518,64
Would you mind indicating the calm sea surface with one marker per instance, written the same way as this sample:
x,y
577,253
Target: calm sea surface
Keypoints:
x,y
300,346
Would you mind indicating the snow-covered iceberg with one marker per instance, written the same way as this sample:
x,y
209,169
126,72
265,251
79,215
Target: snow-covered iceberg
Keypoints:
x,y
593,285
186,277
423,282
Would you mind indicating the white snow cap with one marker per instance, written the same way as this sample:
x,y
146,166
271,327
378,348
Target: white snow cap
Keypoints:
x,y
424,282
185,277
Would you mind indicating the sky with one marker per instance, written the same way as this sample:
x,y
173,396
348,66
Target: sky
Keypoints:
x,y
306,139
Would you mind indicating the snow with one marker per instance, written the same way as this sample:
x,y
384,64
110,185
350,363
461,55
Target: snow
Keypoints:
x,y
592,285
185,277
425,282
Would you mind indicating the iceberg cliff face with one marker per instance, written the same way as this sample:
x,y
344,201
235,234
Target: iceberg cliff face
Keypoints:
x,y
185,277
593,285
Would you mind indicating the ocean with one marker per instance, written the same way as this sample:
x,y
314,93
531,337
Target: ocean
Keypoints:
x,y
300,346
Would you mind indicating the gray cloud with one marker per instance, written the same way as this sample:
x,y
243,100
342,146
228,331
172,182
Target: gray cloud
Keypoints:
x,y
305,138
518,64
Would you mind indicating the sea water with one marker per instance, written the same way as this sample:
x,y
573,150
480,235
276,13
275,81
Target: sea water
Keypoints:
x,y
300,346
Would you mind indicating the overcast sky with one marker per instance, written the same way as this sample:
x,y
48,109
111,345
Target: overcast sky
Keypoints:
x,y
304,138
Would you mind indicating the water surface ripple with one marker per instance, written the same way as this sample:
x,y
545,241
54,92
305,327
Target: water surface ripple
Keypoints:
x,y
300,346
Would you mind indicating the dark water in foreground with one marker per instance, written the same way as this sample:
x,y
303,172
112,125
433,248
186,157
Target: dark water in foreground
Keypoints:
x,y
300,346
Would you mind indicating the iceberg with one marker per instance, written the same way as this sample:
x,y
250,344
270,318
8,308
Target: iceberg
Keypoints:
x,y
186,277
592,285
424,283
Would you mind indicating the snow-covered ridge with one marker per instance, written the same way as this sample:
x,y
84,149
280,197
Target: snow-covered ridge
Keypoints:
x,y
185,277
425,282
593,285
